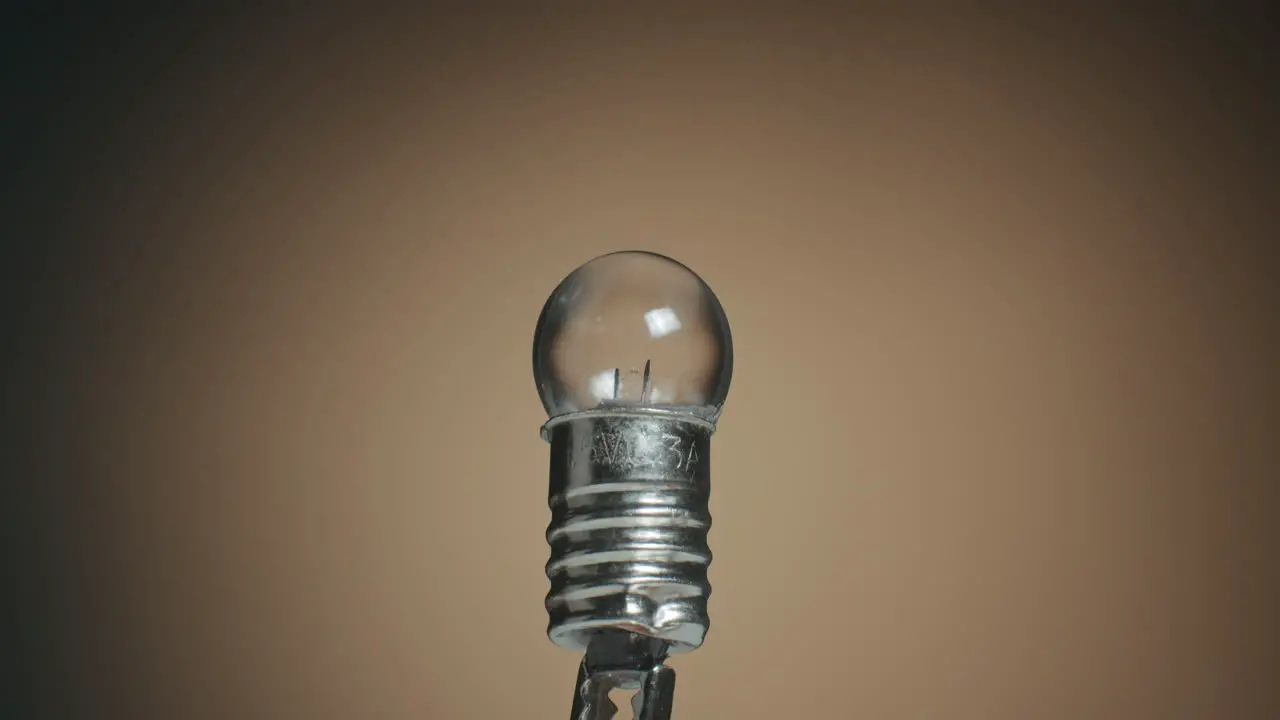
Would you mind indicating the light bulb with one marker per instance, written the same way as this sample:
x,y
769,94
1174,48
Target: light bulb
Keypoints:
x,y
632,358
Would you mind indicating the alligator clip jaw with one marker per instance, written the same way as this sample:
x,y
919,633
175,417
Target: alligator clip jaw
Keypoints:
x,y
618,659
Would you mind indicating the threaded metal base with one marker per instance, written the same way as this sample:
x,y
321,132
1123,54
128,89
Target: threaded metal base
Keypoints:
x,y
629,522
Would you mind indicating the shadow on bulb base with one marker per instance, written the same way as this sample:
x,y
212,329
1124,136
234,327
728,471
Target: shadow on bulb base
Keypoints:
x,y
628,495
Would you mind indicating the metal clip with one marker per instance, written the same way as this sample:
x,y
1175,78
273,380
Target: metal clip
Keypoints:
x,y
622,660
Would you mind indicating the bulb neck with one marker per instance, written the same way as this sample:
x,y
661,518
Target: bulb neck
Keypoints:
x,y
706,420
629,492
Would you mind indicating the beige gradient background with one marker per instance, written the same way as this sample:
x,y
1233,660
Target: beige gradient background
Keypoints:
x,y
1000,431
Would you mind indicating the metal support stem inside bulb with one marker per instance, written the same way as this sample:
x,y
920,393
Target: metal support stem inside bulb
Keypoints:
x,y
629,491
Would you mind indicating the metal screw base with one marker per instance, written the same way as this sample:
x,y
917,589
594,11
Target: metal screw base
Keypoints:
x,y
628,534
629,555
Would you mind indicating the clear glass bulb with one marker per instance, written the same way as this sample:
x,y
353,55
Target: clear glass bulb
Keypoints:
x,y
633,329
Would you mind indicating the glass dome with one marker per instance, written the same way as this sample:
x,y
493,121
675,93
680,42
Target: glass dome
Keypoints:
x,y
633,329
